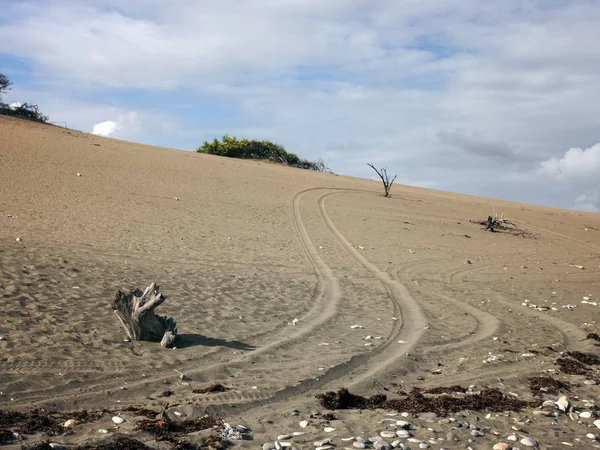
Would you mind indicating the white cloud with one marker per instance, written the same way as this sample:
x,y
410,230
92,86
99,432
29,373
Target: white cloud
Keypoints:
x,y
577,165
127,126
106,128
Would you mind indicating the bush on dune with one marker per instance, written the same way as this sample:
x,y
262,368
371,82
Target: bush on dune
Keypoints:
x,y
231,147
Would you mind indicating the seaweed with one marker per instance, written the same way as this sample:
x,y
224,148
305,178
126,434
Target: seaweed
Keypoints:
x,y
120,443
572,367
415,403
6,436
164,428
445,390
546,385
217,387
585,358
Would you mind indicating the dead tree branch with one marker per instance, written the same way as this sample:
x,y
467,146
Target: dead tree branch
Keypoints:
x,y
385,179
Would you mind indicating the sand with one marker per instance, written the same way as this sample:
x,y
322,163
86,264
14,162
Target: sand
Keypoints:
x,y
241,249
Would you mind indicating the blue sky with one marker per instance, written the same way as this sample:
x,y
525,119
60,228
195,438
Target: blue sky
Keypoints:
x,y
486,97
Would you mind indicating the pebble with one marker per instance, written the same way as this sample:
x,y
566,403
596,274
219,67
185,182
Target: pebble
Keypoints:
x,y
19,239
382,445
597,423
512,437
501,446
70,423
402,433
528,442
423,445
268,446
477,433
117,419
303,424
590,436
388,434
585,415
359,444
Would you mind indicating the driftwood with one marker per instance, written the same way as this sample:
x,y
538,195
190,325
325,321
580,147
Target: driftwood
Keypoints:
x,y
136,313
499,223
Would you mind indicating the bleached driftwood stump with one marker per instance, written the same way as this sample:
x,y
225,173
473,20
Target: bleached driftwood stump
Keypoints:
x,y
136,312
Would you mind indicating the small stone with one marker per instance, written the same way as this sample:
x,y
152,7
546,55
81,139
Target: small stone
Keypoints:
x,y
268,446
18,239
359,444
303,424
70,423
402,433
284,437
590,382
477,433
78,174
396,443
597,423
501,446
512,437
103,431
382,445
117,419
590,436
585,415
528,442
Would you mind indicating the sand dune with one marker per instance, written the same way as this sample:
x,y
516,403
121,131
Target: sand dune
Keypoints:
x,y
241,248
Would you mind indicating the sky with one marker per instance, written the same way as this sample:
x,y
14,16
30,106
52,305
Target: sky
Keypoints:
x,y
498,98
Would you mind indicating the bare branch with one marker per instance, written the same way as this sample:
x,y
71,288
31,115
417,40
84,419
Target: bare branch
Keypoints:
x,y
385,179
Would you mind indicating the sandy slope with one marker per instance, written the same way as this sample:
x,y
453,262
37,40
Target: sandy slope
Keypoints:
x,y
248,247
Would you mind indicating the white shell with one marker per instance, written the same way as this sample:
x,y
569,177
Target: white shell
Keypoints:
x,y
117,419
70,423
387,434
527,441
328,429
585,415
303,424
103,431
597,423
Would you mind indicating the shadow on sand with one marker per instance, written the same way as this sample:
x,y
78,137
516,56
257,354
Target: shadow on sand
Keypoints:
x,y
191,340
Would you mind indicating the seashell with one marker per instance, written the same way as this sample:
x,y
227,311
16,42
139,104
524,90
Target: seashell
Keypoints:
x,y
414,440
585,415
328,429
118,420
303,424
286,444
55,446
103,431
597,423
348,439
403,424
501,446
563,404
512,437
549,404
590,436
325,447
323,443
70,423
356,327
402,433
573,416
528,442
283,437
387,434
278,445
298,433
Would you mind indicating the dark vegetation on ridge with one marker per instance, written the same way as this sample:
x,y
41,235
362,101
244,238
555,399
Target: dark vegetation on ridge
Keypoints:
x,y
231,147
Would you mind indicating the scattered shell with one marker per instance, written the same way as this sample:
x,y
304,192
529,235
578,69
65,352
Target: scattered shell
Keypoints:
x,y
528,442
387,434
285,444
347,439
283,437
585,415
102,430
402,433
117,419
597,423
590,436
18,239
70,423
590,382
355,327
402,423
563,404
512,437
501,446
298,433
78,174
55,446
303,424
323,443
328,429
325,447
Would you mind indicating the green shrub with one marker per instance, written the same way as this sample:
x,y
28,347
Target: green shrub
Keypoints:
x,y
231,147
